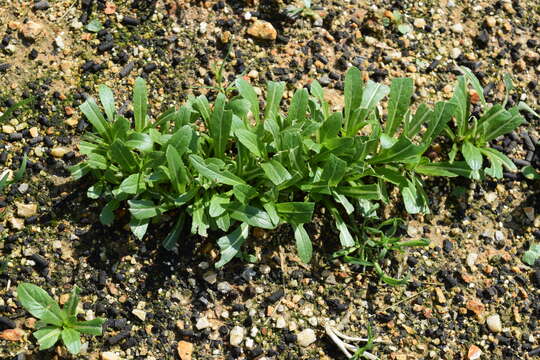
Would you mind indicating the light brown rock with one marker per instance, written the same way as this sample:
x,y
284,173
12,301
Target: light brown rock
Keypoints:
x,y
109,355
185,349
262,30
12,334
58,152
26,210
31,30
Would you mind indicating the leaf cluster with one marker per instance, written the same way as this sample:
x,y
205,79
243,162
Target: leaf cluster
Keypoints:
x,y
57,323
230,164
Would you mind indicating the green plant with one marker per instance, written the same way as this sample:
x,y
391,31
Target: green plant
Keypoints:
x,y
304,11
4,180
230,165
54,322
400,22
532,255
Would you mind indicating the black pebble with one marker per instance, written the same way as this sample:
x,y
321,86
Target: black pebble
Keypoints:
x,y
447,246
275,296
4,67
126,69
482,40
39,260
41,5
131,21
6,323
536,278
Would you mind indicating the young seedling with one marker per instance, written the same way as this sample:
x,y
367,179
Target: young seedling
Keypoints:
x,y
57,323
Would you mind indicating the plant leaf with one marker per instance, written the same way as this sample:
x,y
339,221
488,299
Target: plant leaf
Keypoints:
x,y
138,227
95,117
401,92
295,212
107,100
172,237
40,304
47,336
72,340
473,157
90,327
530,173
140,104
213,173
532,254
250,215
73,301
303,243
353,94
230,244
273,98
276,172
251,141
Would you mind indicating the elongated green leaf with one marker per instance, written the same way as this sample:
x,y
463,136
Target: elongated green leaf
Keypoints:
x,y
121,153
107,100
295,212
230,244
531,255
72,340
276,172
345,236
211,172
497,160
140,141
438,119
244,193
401,151
273,98
144,209
177,170
502,124
334,170
331,127
90,327
373,94
342,199
47,336
22,169
38,303
133,184
251,141
95,117
248,93
457,168
401,92
106,216
353,94
250,215
79,171
7,114
421,116
303,243
298,108
172,237
140,104
462,101
475,83
220,126
473,157
138,227
73,301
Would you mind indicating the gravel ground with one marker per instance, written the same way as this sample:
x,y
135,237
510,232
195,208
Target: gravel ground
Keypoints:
x,y
470,295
